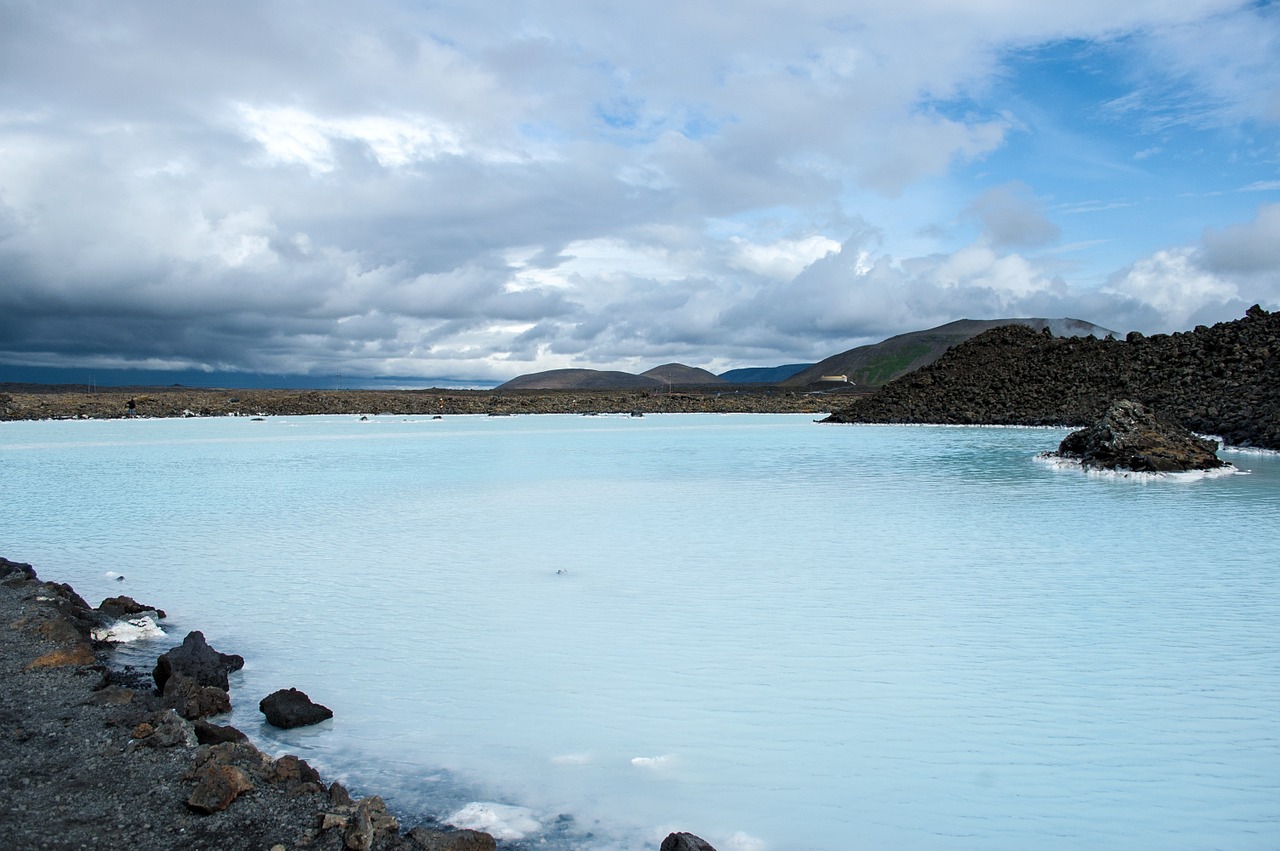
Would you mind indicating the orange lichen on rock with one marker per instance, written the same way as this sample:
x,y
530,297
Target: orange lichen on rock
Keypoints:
x,y
78,654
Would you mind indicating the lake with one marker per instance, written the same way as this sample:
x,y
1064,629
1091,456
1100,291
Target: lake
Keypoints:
x,y
586,632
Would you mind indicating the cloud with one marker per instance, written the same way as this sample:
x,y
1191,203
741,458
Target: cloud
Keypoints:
x,y
1012,217
1252,248
1173,285
1211,281
783,259
858,295
443,189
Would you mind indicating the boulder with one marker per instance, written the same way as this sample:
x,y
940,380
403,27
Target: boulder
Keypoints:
x,y
216,734
431,839
216,787
289,708
1130,436
297,776
191,700
71,607
685,842
123,608
290,767
242,754
196,659
164,730
16,572
363,825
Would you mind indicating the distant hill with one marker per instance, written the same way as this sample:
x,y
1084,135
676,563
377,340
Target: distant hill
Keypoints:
x,y
865,366
679,375
880,363
660,377
763,374
581,379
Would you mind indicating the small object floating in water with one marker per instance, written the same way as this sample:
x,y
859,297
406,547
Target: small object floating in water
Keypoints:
x,y
561,572
650,761
364,419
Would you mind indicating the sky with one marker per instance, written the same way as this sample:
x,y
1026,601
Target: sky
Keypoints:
x,y
479,190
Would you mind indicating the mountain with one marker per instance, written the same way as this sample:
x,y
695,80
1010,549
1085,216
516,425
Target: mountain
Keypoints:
x,y
865,366
763,374
659,378
581,379
880,363
679,375
1219,380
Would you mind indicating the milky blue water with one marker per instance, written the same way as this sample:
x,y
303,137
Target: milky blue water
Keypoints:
x,y
771,633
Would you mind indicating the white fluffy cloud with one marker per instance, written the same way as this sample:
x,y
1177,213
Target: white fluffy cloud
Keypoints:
x,y
1173,285
432,189
1214,280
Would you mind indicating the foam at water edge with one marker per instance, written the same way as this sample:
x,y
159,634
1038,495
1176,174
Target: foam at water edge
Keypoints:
x,y
1057,462
1248,450
502,821
127,631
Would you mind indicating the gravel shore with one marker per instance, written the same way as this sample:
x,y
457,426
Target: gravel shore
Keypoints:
x,y
43,402
91,758
77,771
94,758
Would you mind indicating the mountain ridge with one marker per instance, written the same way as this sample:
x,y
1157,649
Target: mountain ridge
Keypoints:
x,y
866,366
877,364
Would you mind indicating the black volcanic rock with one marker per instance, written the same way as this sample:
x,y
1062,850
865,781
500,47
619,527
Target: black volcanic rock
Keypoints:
x,y
1131,437
123,608
429,839
685,842
289,708
216,734
880,363
1222,380
16,571
194,658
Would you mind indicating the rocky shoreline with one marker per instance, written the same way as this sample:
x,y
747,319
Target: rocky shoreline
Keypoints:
x,y
44,402
94,757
